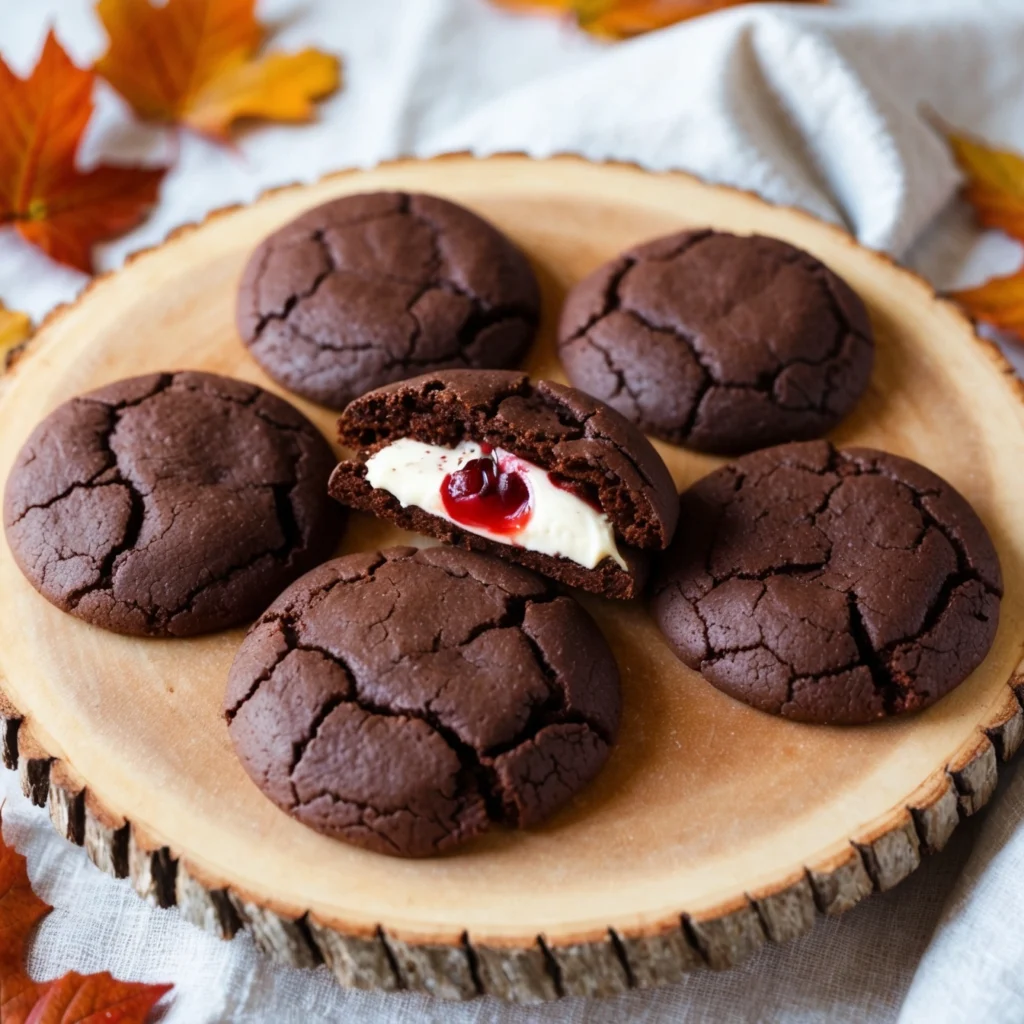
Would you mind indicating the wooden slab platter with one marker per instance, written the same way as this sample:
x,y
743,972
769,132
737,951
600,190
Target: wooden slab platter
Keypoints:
x,y
713,829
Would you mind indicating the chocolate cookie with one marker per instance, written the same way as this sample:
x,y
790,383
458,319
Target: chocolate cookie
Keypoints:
x,y
373,288
406,700
721,343
171,504
829,585
538,474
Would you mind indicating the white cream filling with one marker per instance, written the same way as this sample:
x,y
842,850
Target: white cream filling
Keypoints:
x,y
560,523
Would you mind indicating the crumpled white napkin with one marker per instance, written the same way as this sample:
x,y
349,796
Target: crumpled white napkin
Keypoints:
x,y
820,108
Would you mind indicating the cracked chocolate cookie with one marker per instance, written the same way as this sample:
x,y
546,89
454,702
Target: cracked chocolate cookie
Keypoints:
x,y
370,289
171,504
406,700
719,342
538,474
826,585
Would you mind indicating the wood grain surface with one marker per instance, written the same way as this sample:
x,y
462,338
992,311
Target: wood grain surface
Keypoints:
x,y
713,829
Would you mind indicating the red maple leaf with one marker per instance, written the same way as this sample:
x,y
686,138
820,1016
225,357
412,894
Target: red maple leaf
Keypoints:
x,y
50,203
72,999
95,999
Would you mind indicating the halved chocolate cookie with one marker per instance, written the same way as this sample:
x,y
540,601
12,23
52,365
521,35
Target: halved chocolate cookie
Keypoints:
x,y
539,474
407,699
829,585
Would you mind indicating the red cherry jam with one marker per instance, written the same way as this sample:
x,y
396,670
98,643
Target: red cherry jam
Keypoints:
x,y
483,495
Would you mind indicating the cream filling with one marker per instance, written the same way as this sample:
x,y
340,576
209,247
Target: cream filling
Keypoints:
x,y
560,523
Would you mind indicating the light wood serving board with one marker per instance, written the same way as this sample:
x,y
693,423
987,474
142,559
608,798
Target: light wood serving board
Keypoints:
x,y
713,828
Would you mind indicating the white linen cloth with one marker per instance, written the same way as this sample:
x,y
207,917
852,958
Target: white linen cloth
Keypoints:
x,y
821,108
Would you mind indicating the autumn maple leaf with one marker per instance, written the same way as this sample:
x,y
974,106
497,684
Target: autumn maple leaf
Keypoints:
x,y
994,186
19,994
999,302
20,908
72,999
620,19
95,999
20,911
193,62
50,202
15,327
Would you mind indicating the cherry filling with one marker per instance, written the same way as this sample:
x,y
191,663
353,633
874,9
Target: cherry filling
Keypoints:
x,y
483,495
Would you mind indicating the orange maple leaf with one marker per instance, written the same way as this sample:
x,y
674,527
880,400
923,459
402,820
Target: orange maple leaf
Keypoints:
x,y
20,911
95,999
50,203
620,19
995,183
192,62
999,302
72,999
995,188
15,328
18,992
20,908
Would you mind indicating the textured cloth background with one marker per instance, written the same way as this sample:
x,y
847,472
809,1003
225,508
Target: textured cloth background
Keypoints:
x,y
821,108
